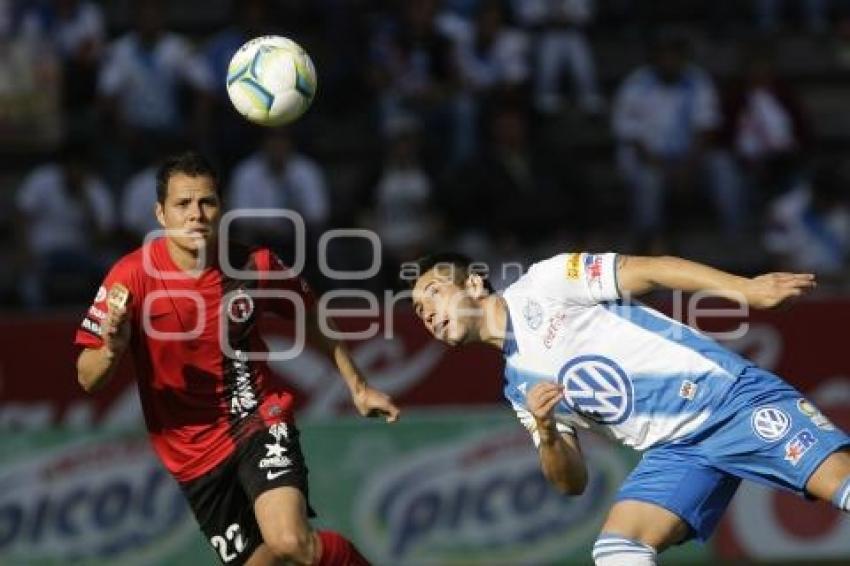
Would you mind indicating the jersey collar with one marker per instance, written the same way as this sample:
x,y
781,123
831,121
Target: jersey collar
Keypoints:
x,y
209,275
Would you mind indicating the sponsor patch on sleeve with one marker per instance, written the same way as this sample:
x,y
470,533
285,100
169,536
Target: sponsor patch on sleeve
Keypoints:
x,y
91,326
97,313
593,267
593,273
799,444
688,390
573,266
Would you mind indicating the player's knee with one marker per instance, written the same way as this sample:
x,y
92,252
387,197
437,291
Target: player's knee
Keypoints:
x,y
615,550
294,546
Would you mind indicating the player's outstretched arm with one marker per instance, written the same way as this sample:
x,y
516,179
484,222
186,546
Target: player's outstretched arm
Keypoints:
x,y
95,366
369,401
640,274
560,454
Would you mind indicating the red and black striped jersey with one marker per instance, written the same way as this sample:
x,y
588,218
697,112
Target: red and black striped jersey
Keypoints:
x,y
197,350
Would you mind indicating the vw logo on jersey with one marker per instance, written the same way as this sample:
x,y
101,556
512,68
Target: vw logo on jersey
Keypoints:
x,y
770,424
533,313
597,387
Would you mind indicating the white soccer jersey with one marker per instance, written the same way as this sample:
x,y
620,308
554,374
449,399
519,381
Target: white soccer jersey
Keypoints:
x,y
627,370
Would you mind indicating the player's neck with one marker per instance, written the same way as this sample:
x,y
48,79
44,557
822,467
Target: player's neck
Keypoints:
x,y
193,262
493,320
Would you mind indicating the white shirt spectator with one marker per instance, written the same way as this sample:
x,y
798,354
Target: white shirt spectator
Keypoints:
x,y
138,202
6,19
505,62
453,25
560,45
533,13
146,83
86,25
663,117
809,241
402,200
764,127
300,186
55,219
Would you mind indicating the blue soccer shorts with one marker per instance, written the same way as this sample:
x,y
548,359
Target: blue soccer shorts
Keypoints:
x,y
765,431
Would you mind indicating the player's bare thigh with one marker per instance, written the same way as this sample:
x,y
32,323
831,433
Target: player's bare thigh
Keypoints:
x,y
829,475
282,516
645,522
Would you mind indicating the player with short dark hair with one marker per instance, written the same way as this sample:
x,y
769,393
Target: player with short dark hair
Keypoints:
x,y
579,354
190,163
458,266
217,419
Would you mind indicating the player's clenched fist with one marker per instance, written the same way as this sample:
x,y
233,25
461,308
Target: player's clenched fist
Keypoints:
x,y
542,399
115,329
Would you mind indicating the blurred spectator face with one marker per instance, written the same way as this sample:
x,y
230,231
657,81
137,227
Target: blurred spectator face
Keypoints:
x,y
66,8
419,15
489,21
760,69
190,212
75,167
402,135
277,148
149,18
829,186
669,60
75,175
404,148
509,130
252,15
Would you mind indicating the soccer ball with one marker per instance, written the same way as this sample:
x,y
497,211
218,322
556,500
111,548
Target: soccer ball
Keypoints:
x,y
271,81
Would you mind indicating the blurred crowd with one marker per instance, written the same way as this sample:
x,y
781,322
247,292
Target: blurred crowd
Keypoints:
x,y
487,126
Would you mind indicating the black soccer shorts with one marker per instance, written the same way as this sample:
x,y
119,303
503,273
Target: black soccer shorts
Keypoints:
x,y
223,498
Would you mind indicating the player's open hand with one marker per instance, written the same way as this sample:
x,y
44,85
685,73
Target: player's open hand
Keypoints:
x,y
373,403
542,398
772,289
115,329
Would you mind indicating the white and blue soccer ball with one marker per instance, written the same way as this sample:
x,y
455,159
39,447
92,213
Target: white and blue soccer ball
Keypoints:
x,y
271,80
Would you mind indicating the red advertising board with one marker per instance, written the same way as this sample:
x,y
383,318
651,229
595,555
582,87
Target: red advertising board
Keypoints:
x,y
805,344
38,387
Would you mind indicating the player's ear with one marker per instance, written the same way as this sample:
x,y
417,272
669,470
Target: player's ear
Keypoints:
x,y
474,286
159,212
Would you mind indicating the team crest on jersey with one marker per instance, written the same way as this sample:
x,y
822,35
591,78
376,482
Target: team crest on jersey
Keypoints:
x,y
770,424
818,419
240,307
597,387
533,313
688,390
